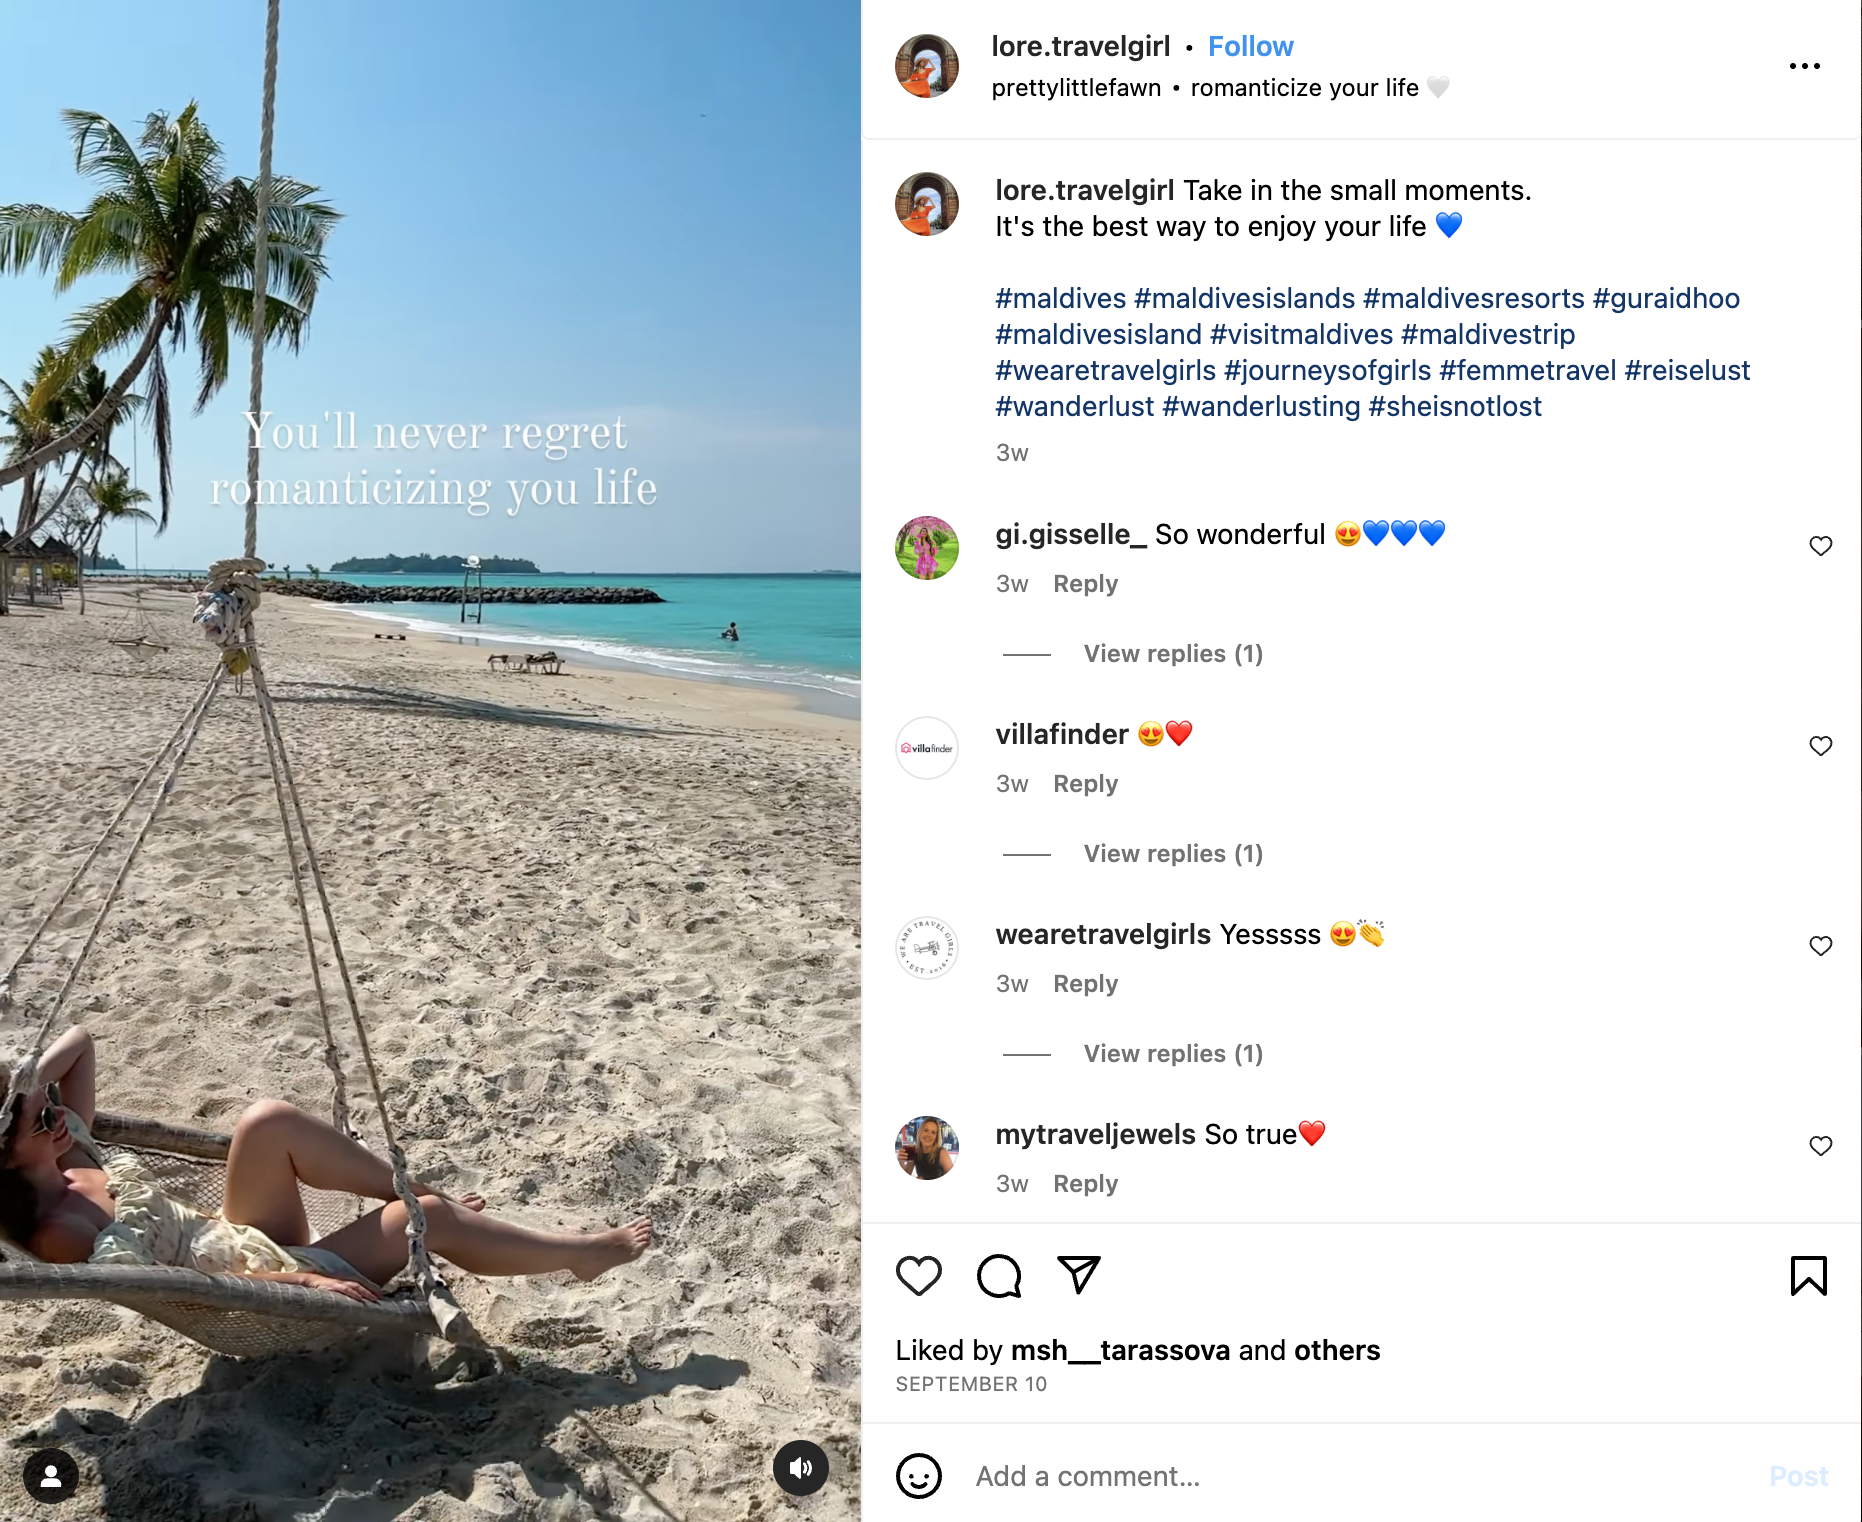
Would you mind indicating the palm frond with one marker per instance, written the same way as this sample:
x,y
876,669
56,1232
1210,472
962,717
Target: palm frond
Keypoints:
x,y
210,323
32,235
109,236
94,330
161,427
103,152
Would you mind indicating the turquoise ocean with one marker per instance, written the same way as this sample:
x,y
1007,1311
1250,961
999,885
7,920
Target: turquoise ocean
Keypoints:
x,y
800,633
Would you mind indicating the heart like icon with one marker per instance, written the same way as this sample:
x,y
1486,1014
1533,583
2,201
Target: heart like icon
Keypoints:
x,y
1821,944
1820,1145
1376,530
1821,744
1178,729
1432,531
1449,222
1312,1130
1403,529
1820,543
1438,85
918,1274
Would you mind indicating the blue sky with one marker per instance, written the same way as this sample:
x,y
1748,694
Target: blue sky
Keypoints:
x,y
568,212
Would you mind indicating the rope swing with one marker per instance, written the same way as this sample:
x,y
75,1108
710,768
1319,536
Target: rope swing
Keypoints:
x,y
226,613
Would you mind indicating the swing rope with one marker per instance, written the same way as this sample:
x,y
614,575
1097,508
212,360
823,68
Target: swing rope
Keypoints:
x,y
226,614
25,956
24,1078
260,271
332,1058
446,1310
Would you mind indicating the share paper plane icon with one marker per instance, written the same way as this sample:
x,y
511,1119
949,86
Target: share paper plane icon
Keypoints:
x,y
1081,1268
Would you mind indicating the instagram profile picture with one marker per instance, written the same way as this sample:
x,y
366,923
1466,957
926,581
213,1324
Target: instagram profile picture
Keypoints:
x,y
927,748
926,947
926,204
926,1147
926,66
926,548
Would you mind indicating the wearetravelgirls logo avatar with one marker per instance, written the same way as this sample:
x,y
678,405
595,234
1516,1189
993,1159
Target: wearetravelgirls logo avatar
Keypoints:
x,y
927,947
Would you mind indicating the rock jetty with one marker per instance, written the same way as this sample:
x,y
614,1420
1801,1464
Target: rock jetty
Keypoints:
x,y
348,591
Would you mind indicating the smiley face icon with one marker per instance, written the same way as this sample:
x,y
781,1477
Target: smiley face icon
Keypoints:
x,y
919,1475
1150,732
1347,534
1344,933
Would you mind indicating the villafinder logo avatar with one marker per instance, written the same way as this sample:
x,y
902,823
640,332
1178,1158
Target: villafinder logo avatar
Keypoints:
x,y
927,948
927,748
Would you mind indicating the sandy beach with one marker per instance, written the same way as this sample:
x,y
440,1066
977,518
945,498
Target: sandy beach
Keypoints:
x,y
604,928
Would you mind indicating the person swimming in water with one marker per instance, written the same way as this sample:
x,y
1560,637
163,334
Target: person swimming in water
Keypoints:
x,y
730,633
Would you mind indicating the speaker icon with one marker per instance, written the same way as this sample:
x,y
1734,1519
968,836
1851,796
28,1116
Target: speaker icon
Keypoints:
x,y
801,1467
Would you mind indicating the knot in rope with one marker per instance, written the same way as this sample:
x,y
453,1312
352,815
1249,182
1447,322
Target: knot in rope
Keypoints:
x,y
224,610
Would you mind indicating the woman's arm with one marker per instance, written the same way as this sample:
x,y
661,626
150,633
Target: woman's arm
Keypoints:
x,y
349,1287
71,1063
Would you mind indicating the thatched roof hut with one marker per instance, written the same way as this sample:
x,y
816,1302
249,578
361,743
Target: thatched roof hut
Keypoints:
x,y
31,571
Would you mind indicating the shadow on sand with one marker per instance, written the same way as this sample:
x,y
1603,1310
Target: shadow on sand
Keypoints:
x,y
369,1436
397,700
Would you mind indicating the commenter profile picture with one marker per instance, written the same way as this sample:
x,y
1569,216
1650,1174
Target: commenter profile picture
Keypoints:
x,y
927,947
926,748
926,66
926,548
926,204
926,1147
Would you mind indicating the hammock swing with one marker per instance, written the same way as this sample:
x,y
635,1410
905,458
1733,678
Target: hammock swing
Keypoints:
x,y
230,1313
137,637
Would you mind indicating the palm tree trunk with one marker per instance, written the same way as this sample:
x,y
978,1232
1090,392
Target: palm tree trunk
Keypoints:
x,y
99,416
28,504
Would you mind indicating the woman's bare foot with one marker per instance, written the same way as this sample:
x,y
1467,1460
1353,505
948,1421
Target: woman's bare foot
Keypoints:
x,y
469,1200
610,1249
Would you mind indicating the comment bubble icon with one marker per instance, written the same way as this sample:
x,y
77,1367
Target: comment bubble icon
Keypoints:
x,y
1000,1277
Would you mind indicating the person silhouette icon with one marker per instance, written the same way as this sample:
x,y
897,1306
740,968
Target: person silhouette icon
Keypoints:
x,y
51,1475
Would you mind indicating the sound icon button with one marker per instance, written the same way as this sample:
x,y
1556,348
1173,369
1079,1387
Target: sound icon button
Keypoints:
x,y
801,1467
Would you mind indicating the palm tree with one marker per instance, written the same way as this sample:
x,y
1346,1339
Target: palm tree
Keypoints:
x,y
31,425
170,217
114,500
32,415
106,499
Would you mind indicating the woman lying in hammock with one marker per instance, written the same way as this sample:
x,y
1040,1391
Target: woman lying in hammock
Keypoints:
x,y
60,1208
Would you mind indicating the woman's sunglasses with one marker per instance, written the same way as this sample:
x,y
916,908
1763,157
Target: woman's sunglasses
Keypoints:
x,y
49,1116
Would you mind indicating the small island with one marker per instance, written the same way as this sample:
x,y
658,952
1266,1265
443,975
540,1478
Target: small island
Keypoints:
x,y
388,565
404,591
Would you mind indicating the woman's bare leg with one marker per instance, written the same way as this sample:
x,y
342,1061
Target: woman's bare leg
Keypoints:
x,y
275,1145
376,1245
